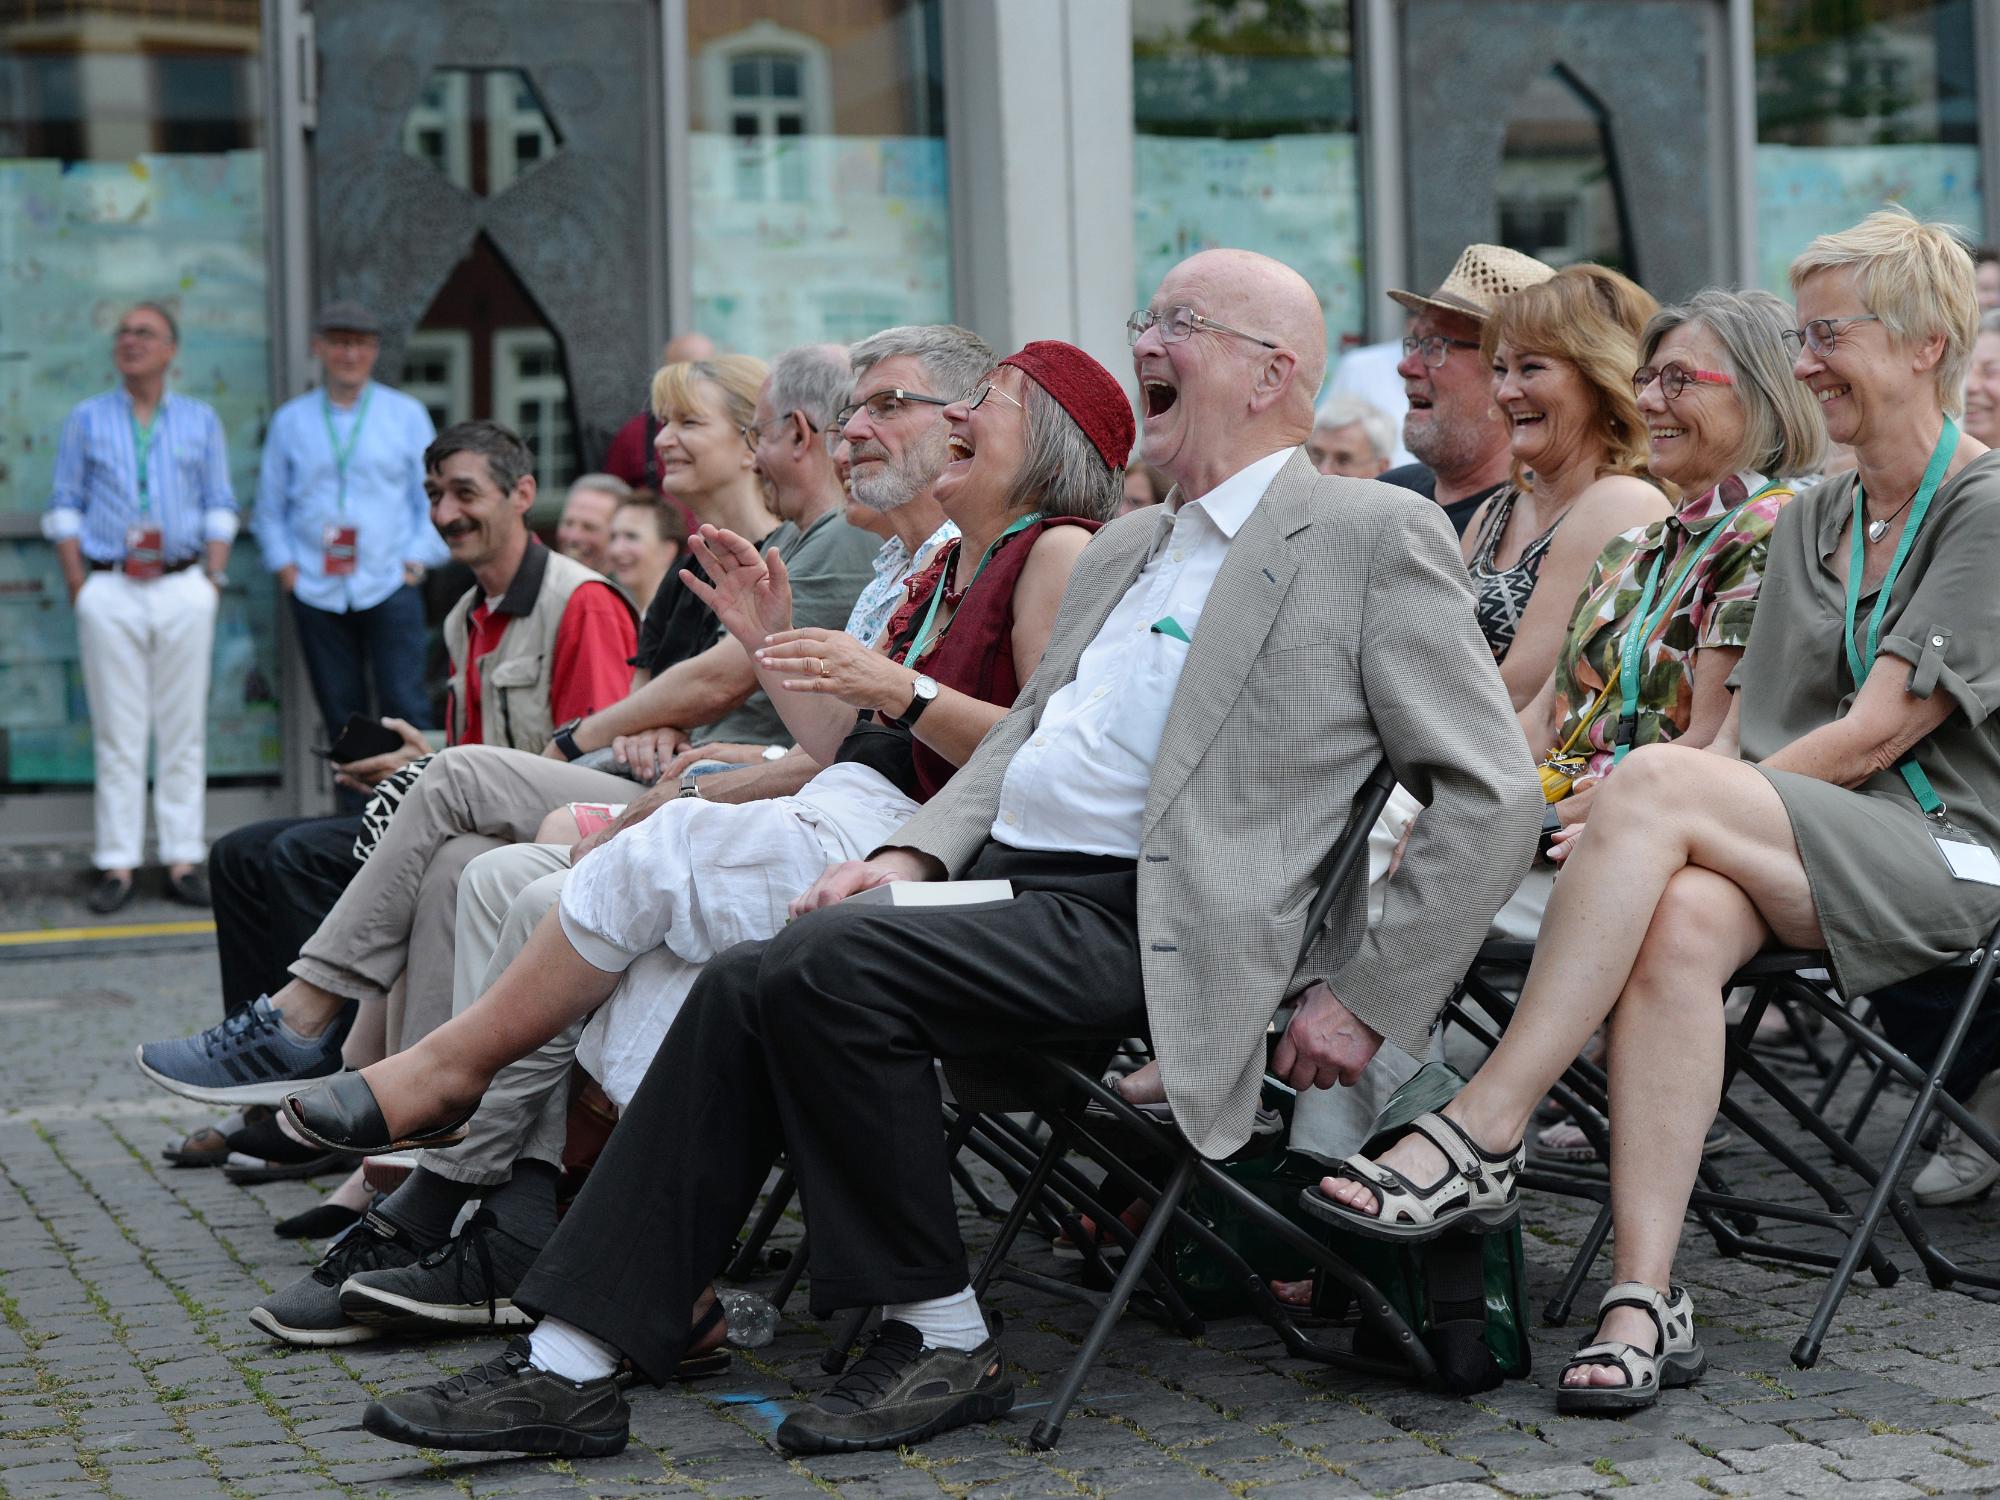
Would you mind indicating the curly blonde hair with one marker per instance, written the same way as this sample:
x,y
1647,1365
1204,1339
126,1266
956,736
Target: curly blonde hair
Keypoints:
x,y
1589,316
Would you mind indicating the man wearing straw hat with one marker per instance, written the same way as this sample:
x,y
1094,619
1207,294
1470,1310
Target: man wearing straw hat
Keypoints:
x,y
1453,427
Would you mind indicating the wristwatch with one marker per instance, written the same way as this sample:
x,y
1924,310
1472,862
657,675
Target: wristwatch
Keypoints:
x,y
564,739
924,691
775,752
219,578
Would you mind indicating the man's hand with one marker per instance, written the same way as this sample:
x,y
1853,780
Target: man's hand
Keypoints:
x,y
362,775
1325,1044
636,811
735,755
649,751
837,882
288,578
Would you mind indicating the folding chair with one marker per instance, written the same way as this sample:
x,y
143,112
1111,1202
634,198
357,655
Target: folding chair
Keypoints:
x,y
1172,1169
1732,1218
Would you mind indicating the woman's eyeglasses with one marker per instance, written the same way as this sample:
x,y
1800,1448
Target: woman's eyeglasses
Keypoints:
x,y
1822,335
1675,378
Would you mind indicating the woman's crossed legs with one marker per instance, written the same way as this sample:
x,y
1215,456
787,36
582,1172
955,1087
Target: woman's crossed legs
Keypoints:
x,y
1687,870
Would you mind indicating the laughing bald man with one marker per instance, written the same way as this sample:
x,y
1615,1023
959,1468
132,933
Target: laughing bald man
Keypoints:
x,y
1225,672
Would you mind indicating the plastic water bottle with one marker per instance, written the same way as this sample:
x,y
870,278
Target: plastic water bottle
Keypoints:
x,y
752,1320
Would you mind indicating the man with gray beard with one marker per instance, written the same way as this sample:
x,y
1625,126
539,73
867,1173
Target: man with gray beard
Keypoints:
x,y
1454,428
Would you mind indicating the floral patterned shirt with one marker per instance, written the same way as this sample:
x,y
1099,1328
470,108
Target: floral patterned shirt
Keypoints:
x,y
895,566
1715,608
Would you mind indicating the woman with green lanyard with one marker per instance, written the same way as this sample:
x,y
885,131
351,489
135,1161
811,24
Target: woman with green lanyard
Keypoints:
x,y
1035,458
1674,601
1861,819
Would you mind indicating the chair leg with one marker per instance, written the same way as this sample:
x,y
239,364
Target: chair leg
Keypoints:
x,y
744,1264
1024,1202
1048,1431
835,1359
790,1282
1805,1353
1557,1311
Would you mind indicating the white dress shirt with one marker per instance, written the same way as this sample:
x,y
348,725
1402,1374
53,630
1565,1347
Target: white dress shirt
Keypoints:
x,y
1079,783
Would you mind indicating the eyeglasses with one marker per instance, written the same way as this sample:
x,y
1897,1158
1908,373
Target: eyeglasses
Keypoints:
x,y
139,331
1436,348
1676,378
1177,323
753,433
883,406
1822,335
977,397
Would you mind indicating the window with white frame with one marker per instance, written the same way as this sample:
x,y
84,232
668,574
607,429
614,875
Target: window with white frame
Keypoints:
x,y
437,370
766,88
531,395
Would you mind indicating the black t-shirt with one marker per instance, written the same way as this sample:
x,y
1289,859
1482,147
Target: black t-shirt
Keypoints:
x,y
1419,478
677,624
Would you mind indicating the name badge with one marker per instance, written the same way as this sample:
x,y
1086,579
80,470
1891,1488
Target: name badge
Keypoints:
x,y
145,552
340,544
1965,856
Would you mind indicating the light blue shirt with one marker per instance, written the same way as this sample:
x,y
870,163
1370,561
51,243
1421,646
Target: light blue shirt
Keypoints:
x,y
299,496
95,494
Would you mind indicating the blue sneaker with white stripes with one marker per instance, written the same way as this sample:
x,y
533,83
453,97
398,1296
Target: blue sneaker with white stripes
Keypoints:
x,y
251,1058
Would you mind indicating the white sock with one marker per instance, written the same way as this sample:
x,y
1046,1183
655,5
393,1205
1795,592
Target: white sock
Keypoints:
x,y
953,1322
566,1350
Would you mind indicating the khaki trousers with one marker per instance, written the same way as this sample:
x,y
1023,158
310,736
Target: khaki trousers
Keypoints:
x,y
400,912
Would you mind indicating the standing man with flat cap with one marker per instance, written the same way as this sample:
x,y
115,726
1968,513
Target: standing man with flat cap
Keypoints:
x,y
343,521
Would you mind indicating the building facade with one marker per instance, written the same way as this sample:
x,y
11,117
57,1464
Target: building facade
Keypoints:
x,y
534,194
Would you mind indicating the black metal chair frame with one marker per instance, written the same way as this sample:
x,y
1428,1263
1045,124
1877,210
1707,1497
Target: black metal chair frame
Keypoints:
x,y
1732,1219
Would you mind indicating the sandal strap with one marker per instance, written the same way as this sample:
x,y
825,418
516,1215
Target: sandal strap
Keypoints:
x,y
1641,1367
1638,1294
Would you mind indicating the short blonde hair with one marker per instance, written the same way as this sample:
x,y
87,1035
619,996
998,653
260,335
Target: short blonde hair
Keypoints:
x,y
1589,315
1915,276
737,378
1783,432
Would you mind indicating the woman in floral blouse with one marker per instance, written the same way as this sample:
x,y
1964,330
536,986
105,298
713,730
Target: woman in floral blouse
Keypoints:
x,y
1722,414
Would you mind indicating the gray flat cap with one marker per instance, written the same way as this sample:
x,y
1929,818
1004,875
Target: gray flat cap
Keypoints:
x,y
347,317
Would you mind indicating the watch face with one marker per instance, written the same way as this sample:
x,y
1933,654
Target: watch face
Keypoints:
x,y
925,687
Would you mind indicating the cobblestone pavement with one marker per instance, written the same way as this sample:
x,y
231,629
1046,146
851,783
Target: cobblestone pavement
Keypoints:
x,y
127,1367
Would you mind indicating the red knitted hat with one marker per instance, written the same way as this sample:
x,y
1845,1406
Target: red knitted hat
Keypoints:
x,y
1086,390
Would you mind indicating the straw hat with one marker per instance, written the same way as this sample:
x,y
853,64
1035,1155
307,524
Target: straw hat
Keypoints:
x,y
1484,274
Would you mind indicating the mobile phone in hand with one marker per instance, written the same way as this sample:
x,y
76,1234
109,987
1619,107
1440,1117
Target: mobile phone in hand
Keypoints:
x,y
362,739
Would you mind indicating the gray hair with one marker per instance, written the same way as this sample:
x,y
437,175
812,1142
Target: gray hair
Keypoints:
x,y
816,379
1348,411
954,358
1062,473
508,460
1783,432
604,484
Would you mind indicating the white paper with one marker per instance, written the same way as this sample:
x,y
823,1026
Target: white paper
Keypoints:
x,y
1970,861
934,893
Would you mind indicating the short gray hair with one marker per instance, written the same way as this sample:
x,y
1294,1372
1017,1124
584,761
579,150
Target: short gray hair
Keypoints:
x,y
955,358
816,379
1348,411
508,460
1783,432
603,484
1062,473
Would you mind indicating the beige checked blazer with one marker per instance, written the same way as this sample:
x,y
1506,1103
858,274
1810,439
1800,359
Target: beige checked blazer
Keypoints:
x,y
1340,627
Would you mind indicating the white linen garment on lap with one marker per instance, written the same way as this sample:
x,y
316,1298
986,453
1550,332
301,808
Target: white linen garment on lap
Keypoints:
x,y
664,897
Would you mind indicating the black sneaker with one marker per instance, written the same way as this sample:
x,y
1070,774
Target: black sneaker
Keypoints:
x,y
507,1406
468,1281
900,1392
308,1311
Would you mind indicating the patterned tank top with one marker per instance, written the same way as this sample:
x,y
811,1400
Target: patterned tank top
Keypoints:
x,y
1501,594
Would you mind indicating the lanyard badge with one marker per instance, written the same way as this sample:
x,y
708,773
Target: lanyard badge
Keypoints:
x,y
340,546
145,552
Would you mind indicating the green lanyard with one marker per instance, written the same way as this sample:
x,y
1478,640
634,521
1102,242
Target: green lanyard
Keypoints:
x,y
1631,668
342,452
1861,661
142,446
923,639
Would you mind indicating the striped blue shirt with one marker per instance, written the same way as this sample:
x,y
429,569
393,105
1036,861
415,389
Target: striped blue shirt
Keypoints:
x,y
299,496
95,495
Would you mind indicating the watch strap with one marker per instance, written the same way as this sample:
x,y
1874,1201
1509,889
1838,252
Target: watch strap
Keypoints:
x,y
565,740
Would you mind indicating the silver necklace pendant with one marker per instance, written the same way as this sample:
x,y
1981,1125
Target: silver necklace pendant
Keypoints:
x,y
1877,530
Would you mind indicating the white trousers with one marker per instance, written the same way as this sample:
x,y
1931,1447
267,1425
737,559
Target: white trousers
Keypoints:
x,y
146,648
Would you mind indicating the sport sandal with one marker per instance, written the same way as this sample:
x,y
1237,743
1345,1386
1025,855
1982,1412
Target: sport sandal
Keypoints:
x,y
1479,1189
1678,1361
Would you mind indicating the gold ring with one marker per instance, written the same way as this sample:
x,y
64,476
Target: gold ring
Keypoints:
x,y
824,669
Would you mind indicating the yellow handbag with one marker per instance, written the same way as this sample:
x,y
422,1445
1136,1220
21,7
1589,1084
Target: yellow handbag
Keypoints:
x,y
1562,767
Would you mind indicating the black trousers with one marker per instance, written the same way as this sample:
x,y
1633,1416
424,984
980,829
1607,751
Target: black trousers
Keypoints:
x,y
1916,1014
273,884
820,1043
